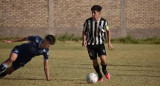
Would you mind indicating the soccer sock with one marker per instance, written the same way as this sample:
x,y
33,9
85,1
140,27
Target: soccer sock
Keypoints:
x,y
104,69
3,67
3,74
98,71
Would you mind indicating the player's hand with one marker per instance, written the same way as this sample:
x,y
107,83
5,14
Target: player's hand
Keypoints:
x,y
110,46
84,43
7,41
48,79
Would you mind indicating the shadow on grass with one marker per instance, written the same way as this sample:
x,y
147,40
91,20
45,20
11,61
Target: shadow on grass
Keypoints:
x,y
23,79
138,75
147,70
74,67
138,66
136,70
75,80
132,65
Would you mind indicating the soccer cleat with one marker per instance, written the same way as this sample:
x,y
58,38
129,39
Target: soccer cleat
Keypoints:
x,y
3,75
100,80
108,76
2,69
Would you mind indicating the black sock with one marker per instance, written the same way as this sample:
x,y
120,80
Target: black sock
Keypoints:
x,y
104,69
98,71
3,74
3,67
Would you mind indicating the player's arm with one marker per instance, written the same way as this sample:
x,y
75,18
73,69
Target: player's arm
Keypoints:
x,y
84,36
84,42
109,38
46,70
16,40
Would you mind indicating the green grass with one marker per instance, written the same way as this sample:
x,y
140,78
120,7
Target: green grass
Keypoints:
x,y
123,40
128,64
67,37
132,40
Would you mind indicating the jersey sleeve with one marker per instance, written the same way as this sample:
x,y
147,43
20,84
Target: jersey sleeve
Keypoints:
x,y
85,27
35,39
106,26
46,54
31,38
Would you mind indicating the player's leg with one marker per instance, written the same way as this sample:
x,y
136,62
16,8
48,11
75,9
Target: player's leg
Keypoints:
x,y
5,64
93,56
3,67
8,71
97,69
102,55
104,66
103,63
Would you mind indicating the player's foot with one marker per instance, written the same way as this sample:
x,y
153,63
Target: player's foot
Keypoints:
x,y
108,76
2,69
100,79
3,75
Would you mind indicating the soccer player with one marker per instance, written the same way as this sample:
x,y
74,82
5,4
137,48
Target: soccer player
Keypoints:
x,y
22,54
94,34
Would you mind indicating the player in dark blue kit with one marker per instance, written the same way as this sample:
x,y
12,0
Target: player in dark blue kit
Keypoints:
x,y
22,54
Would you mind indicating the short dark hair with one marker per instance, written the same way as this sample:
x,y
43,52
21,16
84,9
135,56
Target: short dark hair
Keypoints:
x,y
96,8
51,39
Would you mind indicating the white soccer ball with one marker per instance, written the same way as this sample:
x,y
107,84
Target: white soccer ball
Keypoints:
x,y
91,78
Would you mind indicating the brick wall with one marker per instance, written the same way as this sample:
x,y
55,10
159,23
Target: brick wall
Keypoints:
x,y
143,18
75,12
23,13
143,14
30,17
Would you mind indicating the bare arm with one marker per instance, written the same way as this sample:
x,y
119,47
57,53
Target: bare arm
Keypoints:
x,y
46,70
84,42
16,40
109,39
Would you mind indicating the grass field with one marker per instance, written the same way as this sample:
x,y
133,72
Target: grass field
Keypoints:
x,y
128,64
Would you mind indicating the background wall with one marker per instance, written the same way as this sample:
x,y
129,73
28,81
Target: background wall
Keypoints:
x,y
139,18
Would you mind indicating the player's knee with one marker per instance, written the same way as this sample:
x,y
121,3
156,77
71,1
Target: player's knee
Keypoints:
x,y
103,62
13,57
95,62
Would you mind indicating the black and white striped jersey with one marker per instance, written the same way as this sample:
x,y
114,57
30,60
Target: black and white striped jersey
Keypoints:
x,y
95,31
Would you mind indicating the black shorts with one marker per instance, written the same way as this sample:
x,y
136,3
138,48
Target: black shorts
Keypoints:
x,y
20,61
93,50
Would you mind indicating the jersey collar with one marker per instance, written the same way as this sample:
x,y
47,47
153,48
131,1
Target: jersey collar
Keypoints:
x,y
98,20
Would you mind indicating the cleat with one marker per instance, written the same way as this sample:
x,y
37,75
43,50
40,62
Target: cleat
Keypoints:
x,y
100,80
108,76
2,69
3,75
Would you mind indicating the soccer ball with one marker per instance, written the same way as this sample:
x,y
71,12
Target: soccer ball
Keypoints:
x,y
91,78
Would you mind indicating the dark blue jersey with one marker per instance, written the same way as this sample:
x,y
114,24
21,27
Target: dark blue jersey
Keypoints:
x,y
32,48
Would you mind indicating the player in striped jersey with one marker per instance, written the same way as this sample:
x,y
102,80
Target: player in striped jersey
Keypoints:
x,y
94,34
